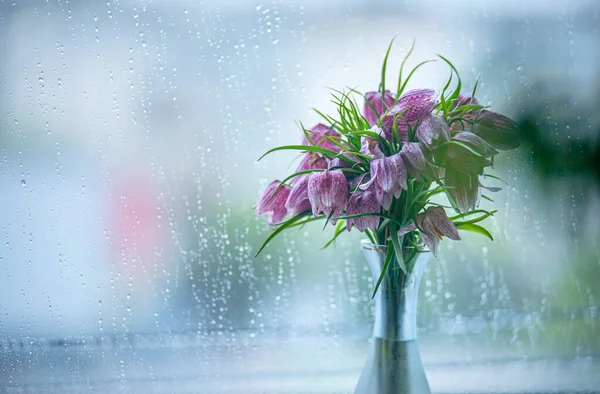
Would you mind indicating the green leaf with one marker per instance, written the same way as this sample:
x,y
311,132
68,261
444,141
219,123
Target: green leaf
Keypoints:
x,y
371,236
308,148
384,66
495,177
282,227
332,122
398,249
476,220
412,72
475,87
443,102
400,86
339,229
459,83
475,229
388,258
473,212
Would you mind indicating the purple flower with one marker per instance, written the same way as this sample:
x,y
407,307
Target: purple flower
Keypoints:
x,y
317,137
433,224
297,200
413,105
273,202
388,175
413,158
376,105
311,161
328,192
363,201
433,130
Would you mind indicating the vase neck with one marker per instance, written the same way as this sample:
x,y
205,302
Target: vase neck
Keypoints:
x,y
396,298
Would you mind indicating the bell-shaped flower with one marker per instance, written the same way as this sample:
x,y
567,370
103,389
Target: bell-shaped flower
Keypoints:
x,y
413,158
297,201
496,129
376,105
363,201
316,136
467,152
433,130
463,187
273,202
328,192
433,224
388,175
312,161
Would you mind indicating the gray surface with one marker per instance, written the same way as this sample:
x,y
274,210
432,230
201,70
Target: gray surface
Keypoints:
x,y
238,363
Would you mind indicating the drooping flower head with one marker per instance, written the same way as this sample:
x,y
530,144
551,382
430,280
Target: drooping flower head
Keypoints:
x,y
311,161
273,202
433,130
328,192
362,201
413,159
433,224
497,130
297,201
388,177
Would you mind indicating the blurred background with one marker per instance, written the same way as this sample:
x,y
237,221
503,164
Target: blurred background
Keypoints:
x,y
129,133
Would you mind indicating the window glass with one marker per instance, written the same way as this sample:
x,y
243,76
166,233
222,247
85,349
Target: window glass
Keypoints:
x,y
129,139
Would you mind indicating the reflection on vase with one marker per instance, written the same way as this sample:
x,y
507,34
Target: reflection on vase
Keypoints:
x,y
394,362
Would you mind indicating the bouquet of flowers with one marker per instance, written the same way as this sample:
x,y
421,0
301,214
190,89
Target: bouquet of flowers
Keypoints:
x,y
378,166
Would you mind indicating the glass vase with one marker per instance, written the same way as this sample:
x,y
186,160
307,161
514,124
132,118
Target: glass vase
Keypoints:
x,y
393,363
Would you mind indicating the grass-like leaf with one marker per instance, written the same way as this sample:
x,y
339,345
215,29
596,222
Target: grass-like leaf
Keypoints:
x,y
386,264
400,85
412,72
279,229
477,219
371,236
398,249
308,148
384,66
475,86
456,92
339,229
495,177
475,229
470,213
